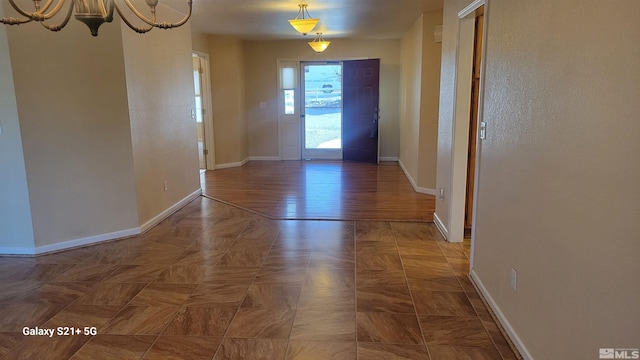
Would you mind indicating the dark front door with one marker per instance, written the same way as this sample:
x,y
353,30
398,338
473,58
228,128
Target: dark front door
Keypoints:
x,y
361,80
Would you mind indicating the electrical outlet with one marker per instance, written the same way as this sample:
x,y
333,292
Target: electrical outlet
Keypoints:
x,y
514,278
166,185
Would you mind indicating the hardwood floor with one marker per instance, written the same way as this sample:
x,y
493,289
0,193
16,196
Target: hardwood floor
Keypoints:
x,y
217,282
327,190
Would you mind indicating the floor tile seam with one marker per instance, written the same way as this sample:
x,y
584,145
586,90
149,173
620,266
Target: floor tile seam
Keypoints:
x,y
355,283
413,302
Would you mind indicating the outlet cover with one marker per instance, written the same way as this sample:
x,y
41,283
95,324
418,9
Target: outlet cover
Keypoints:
x,y
514,278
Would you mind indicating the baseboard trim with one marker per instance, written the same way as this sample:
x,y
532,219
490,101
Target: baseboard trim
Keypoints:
x,y
168,212
17,251
440,226
415,186
389,158
95,239
232,165
90,240
264,158
513,336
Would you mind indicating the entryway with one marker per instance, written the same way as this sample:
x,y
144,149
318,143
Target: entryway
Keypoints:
x,y
329,110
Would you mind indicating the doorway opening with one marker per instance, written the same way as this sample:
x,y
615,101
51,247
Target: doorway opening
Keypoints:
x,y
321,110
201,111
473,121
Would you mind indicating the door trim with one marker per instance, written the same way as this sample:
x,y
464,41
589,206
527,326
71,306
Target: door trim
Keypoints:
x,y
207,117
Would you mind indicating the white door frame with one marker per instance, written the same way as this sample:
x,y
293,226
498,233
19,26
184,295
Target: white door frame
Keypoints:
x,y
207,116
461,113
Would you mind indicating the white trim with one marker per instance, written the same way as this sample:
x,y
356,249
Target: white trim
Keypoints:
x,y
207,119
232,165
440,226
513,336
423,190
470,9
415,186
85,241
168,212
94,239
264,158
17,251
389,158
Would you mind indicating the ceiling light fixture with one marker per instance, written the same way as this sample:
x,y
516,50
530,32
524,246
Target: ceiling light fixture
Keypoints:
x,y
303,25
91,12
319,44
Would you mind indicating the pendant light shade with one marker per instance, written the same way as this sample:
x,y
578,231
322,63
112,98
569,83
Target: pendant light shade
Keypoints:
x,y
301,23
319,44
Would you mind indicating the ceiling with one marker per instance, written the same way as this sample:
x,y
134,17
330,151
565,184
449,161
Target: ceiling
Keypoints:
x,y
267,19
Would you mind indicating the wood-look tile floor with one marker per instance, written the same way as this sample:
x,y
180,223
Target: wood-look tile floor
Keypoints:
x,y
328,190
216,282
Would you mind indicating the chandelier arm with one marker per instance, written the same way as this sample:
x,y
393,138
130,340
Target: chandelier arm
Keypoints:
x,y
59,27
163,25
139,30
46,6
14,21
39,15
22,12
55,9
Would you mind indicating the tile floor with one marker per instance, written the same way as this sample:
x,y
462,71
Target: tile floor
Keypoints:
x,y
216,282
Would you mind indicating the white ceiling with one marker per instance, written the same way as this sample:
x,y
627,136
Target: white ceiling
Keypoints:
x,y
267,19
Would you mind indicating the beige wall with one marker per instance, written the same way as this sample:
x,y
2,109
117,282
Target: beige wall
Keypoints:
x,y
74,121
261,86
419,98
445,143
411,99
159,80
200,42
16,231
228,99
430,95
559,174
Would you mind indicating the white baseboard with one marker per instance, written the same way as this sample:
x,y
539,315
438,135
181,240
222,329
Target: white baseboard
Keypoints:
x,y
443,229
165,214
415,186
264,158
95,239
90,240
17,251
388,158
501,318
232,165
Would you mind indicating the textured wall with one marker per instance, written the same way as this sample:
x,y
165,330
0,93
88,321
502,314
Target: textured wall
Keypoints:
x,y
72,104
159,78
228,99
559,173
16,231
411,98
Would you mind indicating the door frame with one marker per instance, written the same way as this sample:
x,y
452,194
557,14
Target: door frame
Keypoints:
x,y
207,116
282,62
462,107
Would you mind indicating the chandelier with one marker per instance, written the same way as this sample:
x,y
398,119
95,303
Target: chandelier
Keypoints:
x,y
91,12
319,44
303,25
